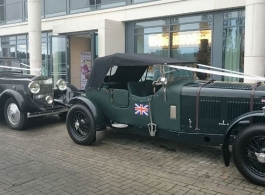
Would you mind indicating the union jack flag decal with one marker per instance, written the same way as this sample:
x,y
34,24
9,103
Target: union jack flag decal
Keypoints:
x,y
141,109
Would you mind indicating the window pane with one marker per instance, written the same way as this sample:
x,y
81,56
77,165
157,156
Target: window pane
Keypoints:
x,y
234,14
102,4
55,8
151,23
154,43
8,40
45,59
191,26
79,4
192,46
2,14
21,37
13,10
9,52
233,50
200,18
140,1
152,30
22,53
21,41
234,22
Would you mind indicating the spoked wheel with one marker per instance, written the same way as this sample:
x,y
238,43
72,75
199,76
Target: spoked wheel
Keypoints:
x,y
249,153
81,125
13,117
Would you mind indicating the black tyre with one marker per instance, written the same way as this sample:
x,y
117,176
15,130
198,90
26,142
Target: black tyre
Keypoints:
x,y
13,117
249,153
81,125
62,116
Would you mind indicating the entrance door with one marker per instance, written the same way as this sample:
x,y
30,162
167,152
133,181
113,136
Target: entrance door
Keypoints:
x,y
94,45
59,69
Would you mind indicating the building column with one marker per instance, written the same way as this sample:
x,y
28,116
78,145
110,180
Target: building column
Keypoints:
x,y
111,38
254,61
34,29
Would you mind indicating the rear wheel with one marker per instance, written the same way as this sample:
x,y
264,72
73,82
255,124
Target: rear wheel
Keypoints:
x,y
249,153
81,125
13,117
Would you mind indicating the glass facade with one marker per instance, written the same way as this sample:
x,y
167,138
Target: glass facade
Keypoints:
x,y
191,38
54,8
18,47
233,42
186,38
12,11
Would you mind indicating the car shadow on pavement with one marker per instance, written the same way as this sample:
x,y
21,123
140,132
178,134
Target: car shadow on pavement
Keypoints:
x,y
36,124
121,137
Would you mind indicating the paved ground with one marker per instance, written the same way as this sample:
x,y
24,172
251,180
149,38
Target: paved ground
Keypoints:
x,y
44,160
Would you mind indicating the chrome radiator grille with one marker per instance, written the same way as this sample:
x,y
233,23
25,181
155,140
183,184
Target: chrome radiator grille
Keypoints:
x,y
46,89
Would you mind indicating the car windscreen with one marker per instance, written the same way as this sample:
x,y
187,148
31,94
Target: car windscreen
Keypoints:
x,y
155,71
9,65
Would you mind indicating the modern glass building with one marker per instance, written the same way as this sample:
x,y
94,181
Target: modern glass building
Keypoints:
x,y
225,34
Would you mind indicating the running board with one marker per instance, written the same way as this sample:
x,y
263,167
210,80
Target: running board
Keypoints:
x,y
119,125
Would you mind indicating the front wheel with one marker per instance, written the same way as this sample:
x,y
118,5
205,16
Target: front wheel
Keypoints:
x,y
249,153
81,125
13,117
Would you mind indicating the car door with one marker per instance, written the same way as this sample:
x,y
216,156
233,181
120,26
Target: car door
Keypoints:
x,y
129,109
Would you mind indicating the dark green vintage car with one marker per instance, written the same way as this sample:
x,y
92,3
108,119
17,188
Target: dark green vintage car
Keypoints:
x,y
154,96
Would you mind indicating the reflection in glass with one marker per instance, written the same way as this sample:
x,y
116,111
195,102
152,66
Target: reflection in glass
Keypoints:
x,y
7,63
9,51
233,50
80,5
189,19
233,43
234,14
44,59
54,8
13,10
192,26
155,72
152,30
151,23
140,1
157,44
192,46
22,53
59,68
2,12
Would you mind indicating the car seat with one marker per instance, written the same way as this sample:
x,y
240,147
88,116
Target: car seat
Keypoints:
x,y
141,89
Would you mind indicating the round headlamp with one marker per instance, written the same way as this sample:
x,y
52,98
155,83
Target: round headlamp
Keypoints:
x,y
61,84
34,87
49,99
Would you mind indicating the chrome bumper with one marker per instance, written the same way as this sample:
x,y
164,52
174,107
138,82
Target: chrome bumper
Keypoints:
x,y
47,113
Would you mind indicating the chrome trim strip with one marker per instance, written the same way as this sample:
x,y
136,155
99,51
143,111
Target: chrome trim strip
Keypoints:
x,y
50,112
173,112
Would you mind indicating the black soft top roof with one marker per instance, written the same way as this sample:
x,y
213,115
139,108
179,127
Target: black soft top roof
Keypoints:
x,y
103,64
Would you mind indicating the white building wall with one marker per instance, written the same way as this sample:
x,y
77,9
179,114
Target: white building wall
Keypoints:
x,y
111,29
34,30
89,20
255,38
114,38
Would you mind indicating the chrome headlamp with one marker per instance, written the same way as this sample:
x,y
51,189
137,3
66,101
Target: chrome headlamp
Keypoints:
x,y
61,84
34,87
49,99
